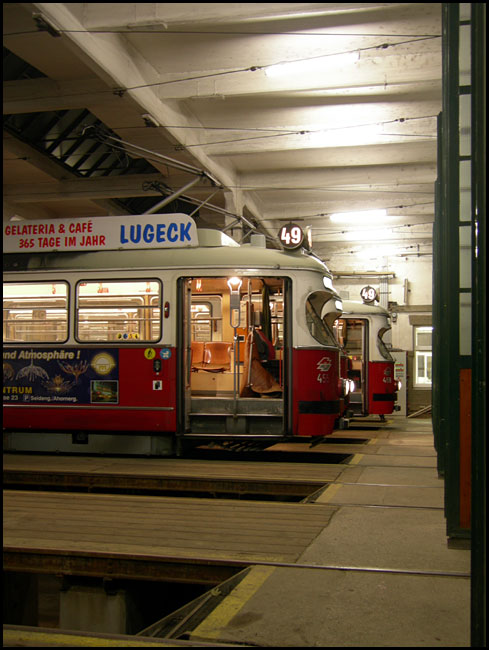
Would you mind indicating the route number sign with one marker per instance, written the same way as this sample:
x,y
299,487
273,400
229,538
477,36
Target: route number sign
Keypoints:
x,y
291,236
368,294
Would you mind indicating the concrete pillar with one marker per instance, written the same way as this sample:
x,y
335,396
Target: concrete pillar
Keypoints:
x,y
92,609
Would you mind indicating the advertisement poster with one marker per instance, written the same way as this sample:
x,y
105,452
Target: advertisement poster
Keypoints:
x,y
60,376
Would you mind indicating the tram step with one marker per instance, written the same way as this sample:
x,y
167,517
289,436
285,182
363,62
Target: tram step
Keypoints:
x,y
221,423
243,406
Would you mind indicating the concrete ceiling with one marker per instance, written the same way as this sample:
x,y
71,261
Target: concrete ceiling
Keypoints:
x,y
351,127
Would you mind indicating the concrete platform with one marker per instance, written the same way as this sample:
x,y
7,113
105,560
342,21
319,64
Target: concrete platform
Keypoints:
x,y
380,574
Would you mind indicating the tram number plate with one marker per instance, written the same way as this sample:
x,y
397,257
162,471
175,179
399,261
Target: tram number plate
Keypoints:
x,y
291,236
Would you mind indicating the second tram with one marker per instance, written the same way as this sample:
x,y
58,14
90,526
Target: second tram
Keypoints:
x,y
360,331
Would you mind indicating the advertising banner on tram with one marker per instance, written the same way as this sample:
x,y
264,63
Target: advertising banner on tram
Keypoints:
x,y
101,233
60,376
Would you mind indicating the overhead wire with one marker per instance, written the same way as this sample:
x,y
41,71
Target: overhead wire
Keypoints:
x,y
316,131
44,26
251,68
282,132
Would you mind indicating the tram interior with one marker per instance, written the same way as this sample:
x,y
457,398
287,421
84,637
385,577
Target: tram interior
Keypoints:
x,y
235,356
236,342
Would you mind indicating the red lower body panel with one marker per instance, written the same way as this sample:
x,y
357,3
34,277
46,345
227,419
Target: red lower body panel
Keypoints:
x,y
316,403
381,387
90,389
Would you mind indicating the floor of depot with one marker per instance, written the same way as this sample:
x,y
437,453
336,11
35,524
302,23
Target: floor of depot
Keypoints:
x,y
379,574
365,564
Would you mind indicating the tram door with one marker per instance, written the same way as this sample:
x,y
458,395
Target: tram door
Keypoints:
x,y
233,356
354,339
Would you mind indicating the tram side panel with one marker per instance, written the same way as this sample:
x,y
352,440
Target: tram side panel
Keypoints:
x,y
114,389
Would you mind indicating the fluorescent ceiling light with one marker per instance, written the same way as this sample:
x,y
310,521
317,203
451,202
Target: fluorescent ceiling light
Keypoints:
x,y
315,65
367,217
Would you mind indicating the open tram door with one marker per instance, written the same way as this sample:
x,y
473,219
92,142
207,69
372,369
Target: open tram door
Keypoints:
x,y
353,337
234,355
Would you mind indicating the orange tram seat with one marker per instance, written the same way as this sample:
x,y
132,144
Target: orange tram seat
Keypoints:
x,y
211,356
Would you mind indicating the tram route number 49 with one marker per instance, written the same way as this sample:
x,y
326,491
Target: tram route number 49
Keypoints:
x,y
368,294
291,236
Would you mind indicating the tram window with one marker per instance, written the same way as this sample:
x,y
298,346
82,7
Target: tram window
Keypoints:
x,y
35,312
317,326
422,357
277,320
113,310
339,329
202,321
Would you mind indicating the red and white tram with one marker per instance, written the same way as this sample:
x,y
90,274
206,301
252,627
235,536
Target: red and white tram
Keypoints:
x,y
139,335
360,331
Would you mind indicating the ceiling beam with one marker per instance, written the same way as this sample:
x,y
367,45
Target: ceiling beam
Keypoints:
x,y
366,176
122,66
148,15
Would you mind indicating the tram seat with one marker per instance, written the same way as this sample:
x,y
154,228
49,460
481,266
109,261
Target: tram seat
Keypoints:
x,y
217,356
197,351
211,356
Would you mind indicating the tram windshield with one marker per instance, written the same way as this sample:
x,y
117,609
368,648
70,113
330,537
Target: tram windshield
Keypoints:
x,y
381,345
318,327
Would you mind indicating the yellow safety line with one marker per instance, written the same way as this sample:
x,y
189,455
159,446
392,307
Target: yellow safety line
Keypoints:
x,y
356,459
15,637
211,627
329,492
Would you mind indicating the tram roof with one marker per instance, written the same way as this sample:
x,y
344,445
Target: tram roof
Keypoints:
x,y
353,307
208,257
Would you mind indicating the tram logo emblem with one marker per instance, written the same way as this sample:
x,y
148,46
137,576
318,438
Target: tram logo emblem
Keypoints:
x,y
324,365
